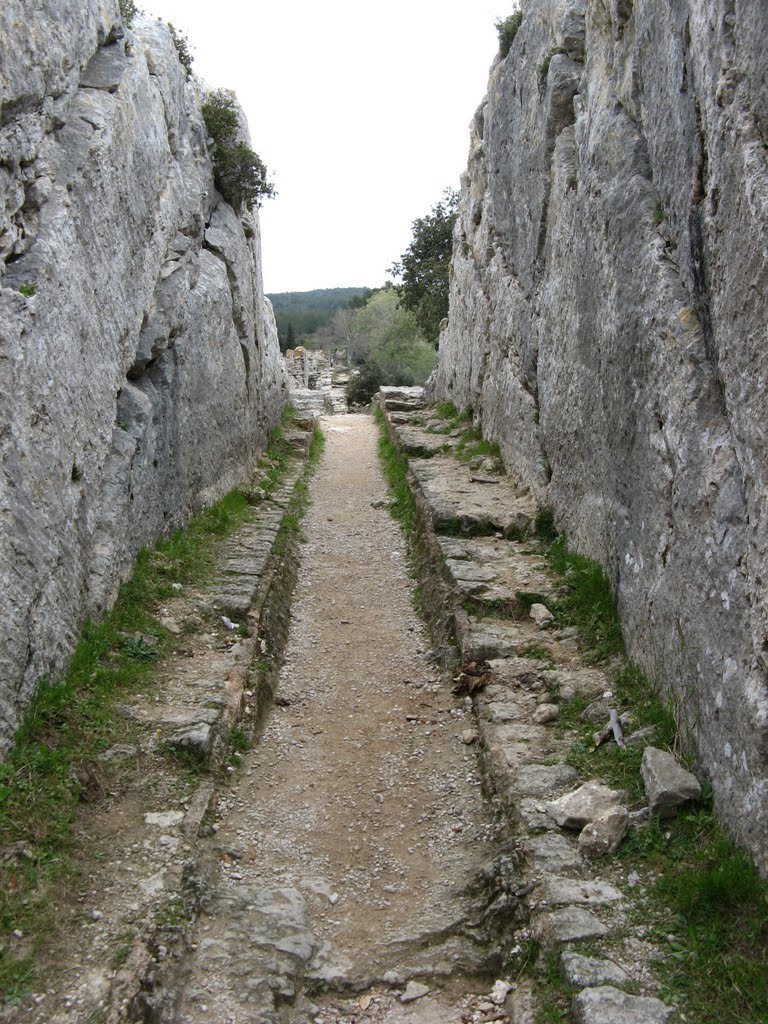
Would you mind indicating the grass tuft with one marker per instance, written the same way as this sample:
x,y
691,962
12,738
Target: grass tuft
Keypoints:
x,y
589,603
403,508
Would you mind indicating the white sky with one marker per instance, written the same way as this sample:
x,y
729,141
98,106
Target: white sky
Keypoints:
x,y
361,112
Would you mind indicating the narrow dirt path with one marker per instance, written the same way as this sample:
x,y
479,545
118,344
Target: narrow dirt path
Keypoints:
x,y
343,858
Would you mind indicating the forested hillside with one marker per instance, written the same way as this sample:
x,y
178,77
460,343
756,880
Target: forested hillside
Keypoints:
x,y
306,311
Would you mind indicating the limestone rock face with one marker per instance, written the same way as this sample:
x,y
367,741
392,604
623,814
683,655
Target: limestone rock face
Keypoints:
x,y
140,370
607,326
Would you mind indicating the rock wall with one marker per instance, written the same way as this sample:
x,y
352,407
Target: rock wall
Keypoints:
x,y
140,370
608,328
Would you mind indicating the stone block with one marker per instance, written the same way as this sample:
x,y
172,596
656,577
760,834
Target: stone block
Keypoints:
x,y
569,924
607,1005
587,971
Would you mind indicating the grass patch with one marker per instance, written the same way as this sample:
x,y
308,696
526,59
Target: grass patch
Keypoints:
x,y
494,608
447,411
537,654
620,768
544,525
473,445
709,909
589,603
403,508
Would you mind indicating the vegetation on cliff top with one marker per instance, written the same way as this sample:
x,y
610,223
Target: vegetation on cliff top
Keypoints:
x,y
507,29
239,173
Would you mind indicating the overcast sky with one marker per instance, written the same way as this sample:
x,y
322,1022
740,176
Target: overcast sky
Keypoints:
x,y
360,110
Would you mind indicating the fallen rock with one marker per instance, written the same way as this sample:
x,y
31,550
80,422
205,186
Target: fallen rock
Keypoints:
x,y
469,736
596,712
499,992
642,736
604,834
414,990
164,819
667,783
541,615
587,971
585,804
608,1005
545,713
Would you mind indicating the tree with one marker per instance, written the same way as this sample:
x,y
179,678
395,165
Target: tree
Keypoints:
x,y
290,336
424,266
239,173
385,335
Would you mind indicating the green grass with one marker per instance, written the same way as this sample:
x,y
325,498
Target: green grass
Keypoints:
x,y
709,898
619,768
589,604
473,445
447,411
544,525
395,466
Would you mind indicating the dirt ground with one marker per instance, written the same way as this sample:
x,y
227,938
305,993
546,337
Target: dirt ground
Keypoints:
x,y
342,857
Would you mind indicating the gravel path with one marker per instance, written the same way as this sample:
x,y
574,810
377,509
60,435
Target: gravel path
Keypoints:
x,y
343,854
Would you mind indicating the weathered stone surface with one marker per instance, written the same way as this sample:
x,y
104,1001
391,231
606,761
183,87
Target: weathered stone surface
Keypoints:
x,y
457,507
667,783
414,990
553,854
587,971
604,834
570,924
545,713
579,891
543,779
541,615
590,801
607,1005
141,378
607,324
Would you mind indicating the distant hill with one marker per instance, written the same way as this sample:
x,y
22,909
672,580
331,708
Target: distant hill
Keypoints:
x,y
309,310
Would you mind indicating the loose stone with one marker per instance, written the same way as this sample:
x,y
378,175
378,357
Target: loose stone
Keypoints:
x,y
667,783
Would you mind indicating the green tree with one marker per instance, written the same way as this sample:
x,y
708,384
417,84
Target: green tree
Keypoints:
x,y
239,173
290,336
424,266
385,336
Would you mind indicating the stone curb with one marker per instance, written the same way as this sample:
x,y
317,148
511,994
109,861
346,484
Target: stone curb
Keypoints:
x,y
268,585
523,759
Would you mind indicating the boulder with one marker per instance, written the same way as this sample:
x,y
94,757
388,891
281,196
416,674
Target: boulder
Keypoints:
x,y
667,783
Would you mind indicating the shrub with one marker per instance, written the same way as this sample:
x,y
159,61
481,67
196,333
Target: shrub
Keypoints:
x,y
239,173
128,11
507,30
364,385
182,48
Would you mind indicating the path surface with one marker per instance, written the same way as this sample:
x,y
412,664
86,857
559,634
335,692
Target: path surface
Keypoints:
x,y
344,853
